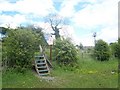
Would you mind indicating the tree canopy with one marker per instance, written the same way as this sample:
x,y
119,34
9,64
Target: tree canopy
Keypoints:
x,y
101,50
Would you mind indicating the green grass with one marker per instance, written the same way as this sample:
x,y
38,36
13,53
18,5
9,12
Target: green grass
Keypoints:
x,y
88,74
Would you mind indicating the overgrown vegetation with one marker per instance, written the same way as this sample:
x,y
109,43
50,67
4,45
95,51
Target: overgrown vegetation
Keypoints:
x,y
101,50
65,51
115,49
19,47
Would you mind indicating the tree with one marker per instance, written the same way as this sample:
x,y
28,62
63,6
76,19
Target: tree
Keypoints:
x,y
38,31
101,50
81,46
19,47
55,22
3,30
115,48
65,51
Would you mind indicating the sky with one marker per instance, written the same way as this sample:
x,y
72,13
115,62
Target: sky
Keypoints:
x,y
85,17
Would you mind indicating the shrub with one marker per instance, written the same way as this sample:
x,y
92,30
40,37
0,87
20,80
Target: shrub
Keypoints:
x,y
65,52
101,50
117,49
113,47
19,47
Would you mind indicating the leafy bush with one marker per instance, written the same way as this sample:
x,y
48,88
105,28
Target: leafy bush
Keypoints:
x,y
101,50
115,49
65,52
19,47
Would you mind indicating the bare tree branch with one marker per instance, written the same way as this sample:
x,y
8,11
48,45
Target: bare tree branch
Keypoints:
x,y
55,22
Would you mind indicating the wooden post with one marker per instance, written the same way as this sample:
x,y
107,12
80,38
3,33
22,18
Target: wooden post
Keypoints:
x,y
51,53
50,41
82,53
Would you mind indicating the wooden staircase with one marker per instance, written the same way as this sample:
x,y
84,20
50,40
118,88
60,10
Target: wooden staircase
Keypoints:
x,y
41,65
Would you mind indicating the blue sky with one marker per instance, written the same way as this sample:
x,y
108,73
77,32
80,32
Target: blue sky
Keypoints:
x,y
85,17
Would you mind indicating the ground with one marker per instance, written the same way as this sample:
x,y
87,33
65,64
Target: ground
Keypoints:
x,y
88,74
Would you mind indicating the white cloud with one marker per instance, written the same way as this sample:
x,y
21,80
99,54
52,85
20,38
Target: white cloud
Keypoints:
x,y
25,8
14,21
108,34
99,14
67,8
104,13
86,40
6,6
38,7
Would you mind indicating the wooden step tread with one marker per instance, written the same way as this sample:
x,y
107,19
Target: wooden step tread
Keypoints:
x,y
44,74
39,57
42,67
40,63
42,70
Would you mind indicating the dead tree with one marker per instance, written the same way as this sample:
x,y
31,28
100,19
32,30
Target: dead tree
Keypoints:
x,y
55,22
